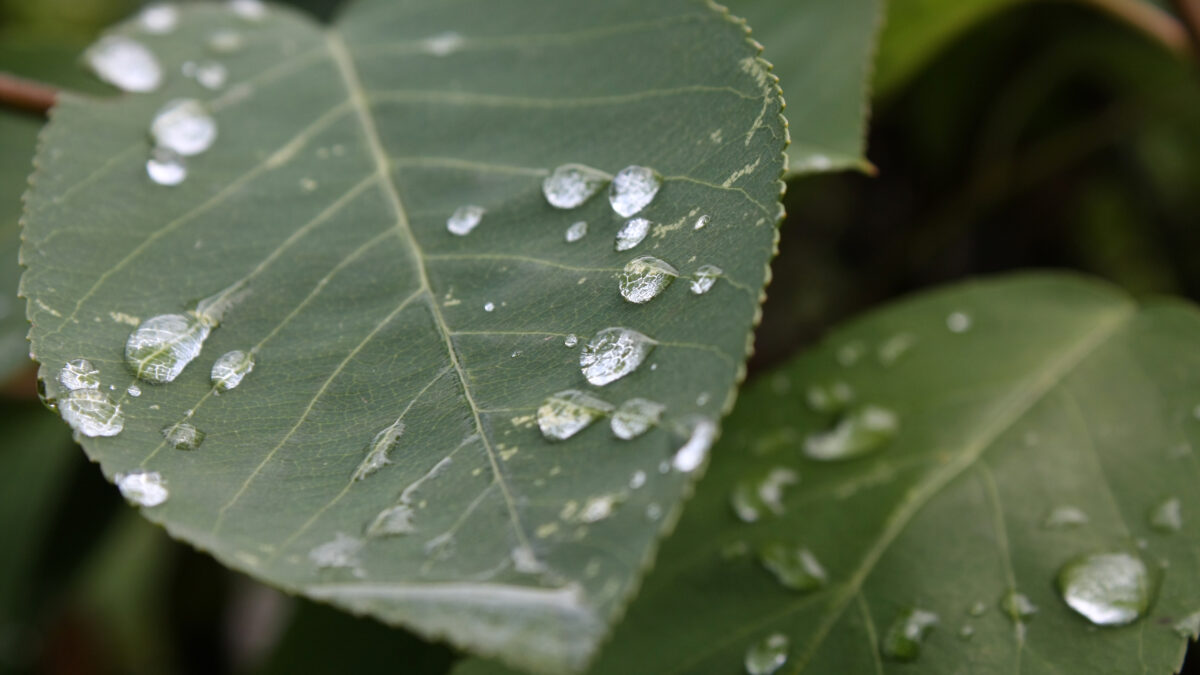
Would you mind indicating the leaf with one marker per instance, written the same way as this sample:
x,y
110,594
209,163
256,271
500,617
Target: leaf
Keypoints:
x,y
1062,392
823,52
321,215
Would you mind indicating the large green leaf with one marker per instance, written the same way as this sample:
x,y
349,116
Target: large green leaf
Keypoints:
x,y
320,215
1059,392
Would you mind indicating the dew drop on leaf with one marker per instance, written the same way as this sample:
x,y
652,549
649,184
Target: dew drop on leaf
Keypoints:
x,y
977,608
637,480
1108,589
891,349
767,656
124,63
1065,517
793,567
705,277
225,41
1017,606
632,189
160,347
701,222
644,278
861,431
755,496
79,374
576,231
489,307
903,639
144,488
209,74
700,439
1167,516
598,508
443,44
568,412
159,18
1188,627
612,354
958,322
832,397
185,126
464,219
379,449
632,233
92,413
250,10
393,520
571,185
183,436
134,390
341,551
166,167
229,370
634,417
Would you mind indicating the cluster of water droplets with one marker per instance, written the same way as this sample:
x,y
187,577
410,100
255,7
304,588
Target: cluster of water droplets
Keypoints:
x,y
84,406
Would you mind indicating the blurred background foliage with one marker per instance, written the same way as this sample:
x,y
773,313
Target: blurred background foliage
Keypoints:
x,y
1007,134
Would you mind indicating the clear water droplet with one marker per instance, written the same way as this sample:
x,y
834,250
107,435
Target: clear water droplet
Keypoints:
x,y
903,639
632,189
632,233
185,126
1017,606
464,219
489,307
598,508
830,397
637,480
183,436
79,374
861,431
166,167
794,567
159,349
125,63
568,412
525,562
159,18
958,322
571,185
700,439
576,231
1188,627
134,390
393,520
443,44
1167,516
977,608
635,417
571,340
644,278
1108,589
378,451
701,222
653,512
225,41
966,632
755,496
209,74
891,349
704,279
92,413
767,656
612,354
1064,517
250,10
144,488
229,370
341,551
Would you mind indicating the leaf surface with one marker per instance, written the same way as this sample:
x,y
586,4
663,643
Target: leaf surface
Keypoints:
x,y
320,219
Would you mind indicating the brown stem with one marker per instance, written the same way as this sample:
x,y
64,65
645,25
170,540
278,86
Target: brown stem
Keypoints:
x,y
1152,21
35,97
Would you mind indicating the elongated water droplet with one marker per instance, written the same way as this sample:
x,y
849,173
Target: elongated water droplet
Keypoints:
x,y
637,480
225,41
571,340
861,431
794,568
701,222
159,349
644,278
1017,606
144,488
229,370
341,551
1108,589
393,520
634,417
767,655
906,634
250,10
831,397
134,390
958,322
185,126
570,185
632,189
398,519
79,374
443,44
891,349
849,353
124,63
91,413
183,436
704,279
209,74
379,449
464,219
1167,516
598,508
753,497
568,412
612,354
700,439
576,232
159,18
166,167
632,233
1064,517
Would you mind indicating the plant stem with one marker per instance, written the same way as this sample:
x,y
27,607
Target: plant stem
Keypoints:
x,y
27,95
1150,20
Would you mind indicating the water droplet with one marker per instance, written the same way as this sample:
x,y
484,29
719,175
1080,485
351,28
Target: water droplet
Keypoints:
x,y
1167,516
905,635
489,307
250,10
632,189
701,222
91,413
166,167
612,354
637,480
634,417
209,74
570,185
79,374
443,44
185,126
632,233
849,353
134,390
229,370
958,322
977,608
225,41
653,512
1064,517
832,397
1188,627
341,551
1108,589
752,497
125,64
644,278
691,455
860,432
891,349
767,655
160,347
794,568
966,632
1017,606
159,18
598,508
571,340
378,450
464,219
144,488
568,412
183,436
393,520
525,562
705,277
576,232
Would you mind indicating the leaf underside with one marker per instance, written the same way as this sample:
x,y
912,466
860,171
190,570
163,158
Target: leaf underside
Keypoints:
x,y
341,154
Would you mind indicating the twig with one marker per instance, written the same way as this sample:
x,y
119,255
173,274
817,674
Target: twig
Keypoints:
x,y
35,97
1150,20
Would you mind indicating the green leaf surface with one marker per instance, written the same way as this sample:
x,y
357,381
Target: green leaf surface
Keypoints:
x,y
320,214
1061,392
823,52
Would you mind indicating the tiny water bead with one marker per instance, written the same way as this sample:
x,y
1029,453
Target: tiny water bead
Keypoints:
x,y
635,417
571,340
166,167
394,520
1167,516
159,18
225,41
92,413
613,353
903,639
701,222
632,189
378,451
1064,517
598,508
756,496
793,567
209,74
341,551
79,374
489,306
1108,588
891,349
183,436
162,346
644,278
831,397
632,233
571,185
958,322
568,412
691,454
144,488
134,390
767,656
1017,606
125,63
185,126
250,10
464,219
704,279
860,432
231,368
444,44
576,231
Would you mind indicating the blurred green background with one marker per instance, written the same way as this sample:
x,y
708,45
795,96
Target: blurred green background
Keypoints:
x,y
1018,135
